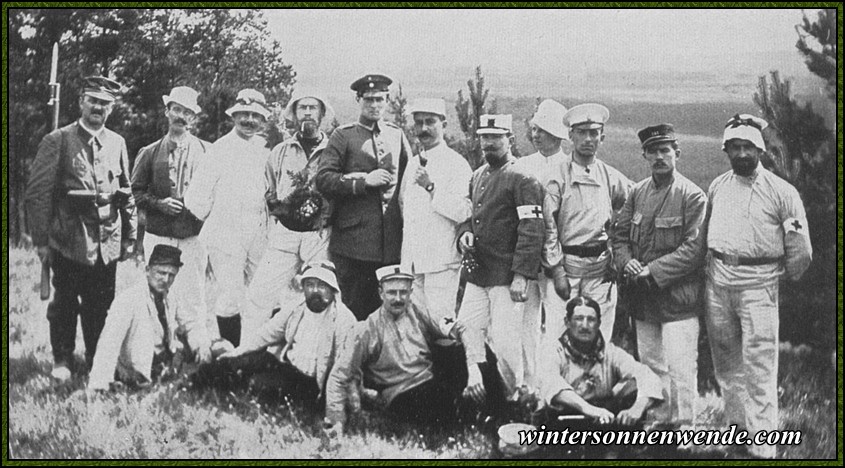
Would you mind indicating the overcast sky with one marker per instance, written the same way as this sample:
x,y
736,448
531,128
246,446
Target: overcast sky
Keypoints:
x,y
317,42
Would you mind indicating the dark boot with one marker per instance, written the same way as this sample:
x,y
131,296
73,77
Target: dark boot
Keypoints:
x,y
230,329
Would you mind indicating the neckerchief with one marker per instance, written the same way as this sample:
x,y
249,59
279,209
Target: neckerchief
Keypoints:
x,y
580,358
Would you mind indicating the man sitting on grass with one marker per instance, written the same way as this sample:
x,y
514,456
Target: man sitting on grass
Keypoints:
x,y
308,337
138,344
582,374
389,355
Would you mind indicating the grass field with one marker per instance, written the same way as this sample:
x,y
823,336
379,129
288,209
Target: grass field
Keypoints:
x,y
50,421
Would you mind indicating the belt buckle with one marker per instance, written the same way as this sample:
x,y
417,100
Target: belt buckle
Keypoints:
x,y
730,259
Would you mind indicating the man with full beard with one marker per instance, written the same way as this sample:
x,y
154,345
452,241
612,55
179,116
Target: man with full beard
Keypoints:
x,y
298,233
228,194
757,232
163,171
308,335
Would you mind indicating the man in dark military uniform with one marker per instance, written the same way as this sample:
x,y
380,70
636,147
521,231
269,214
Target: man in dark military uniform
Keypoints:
x,y
82,219
361,170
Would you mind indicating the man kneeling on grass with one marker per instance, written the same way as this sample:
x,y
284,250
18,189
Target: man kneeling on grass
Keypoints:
x,y
389,355
138,345
582,374
308,336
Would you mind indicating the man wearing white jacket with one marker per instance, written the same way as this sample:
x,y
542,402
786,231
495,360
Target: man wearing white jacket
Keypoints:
x,y
435,201
228,193
139,338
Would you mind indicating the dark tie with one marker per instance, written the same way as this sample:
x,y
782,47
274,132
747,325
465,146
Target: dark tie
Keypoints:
x,y
162,317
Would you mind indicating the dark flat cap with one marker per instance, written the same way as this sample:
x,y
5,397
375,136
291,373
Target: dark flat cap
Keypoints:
x,y
373,82
165,255
656,134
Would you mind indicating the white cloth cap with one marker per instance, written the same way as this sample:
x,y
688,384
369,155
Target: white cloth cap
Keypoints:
x,y
249,100
290,109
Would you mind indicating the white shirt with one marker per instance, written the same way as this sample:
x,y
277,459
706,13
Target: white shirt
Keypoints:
x,y
749,218
304,350
542,167
431,220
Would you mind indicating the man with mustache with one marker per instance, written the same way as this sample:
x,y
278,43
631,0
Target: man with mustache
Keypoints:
x,y
435,201
82,219
757,232
547,134
505,237
658,246
308,336
388,357
227,192
163,171
579,208
582,373
361,172
139,339
298,233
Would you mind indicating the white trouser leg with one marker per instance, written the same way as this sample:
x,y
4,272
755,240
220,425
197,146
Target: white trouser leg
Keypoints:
x,y
671,351
555,309
760,322
505,323
531,333
725,334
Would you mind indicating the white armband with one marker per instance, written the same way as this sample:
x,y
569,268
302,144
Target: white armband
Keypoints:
x,y
529,211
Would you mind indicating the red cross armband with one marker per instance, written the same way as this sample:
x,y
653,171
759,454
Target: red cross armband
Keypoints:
x,y
529,212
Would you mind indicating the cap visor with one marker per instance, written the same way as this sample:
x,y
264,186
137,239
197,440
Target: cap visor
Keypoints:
x,y
100,95
655,140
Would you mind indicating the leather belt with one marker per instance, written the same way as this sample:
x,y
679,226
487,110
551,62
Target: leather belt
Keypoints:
x,y
736,260
584,250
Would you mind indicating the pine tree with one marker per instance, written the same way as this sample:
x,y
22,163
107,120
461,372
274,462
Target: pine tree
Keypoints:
x,y
469,114
802,150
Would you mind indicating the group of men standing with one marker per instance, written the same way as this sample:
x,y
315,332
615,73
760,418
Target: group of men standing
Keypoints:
x,y
366,227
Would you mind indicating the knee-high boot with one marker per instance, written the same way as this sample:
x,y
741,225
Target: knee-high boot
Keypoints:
x,y
230,329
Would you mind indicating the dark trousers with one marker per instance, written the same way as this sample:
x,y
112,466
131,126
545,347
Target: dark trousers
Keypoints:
x,y
263,373
83,290
440,399
625,399
358,285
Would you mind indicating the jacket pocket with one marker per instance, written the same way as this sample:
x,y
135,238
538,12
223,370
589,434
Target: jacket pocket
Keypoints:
x,y
668,232
687,294
347,222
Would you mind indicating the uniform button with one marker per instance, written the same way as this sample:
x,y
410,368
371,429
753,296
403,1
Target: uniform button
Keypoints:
x,y
477,221
482,187
479,203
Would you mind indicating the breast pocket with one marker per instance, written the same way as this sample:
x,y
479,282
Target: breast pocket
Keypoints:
x,y
668,232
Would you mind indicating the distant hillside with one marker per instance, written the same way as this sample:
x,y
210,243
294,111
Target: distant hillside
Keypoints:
x,y
697,102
